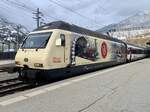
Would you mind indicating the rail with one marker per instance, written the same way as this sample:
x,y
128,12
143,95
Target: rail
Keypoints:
x,y
12,85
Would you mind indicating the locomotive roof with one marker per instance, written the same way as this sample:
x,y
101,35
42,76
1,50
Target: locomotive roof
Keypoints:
x,y
73,28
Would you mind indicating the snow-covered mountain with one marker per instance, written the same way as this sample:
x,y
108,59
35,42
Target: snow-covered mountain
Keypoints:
x,y
5,24
139,20
11,35
10,30
129,28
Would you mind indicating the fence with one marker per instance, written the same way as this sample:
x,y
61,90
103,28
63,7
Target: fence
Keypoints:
x,y
7,55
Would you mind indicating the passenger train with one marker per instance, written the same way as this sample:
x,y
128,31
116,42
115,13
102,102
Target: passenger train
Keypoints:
x,y
135,52
61,48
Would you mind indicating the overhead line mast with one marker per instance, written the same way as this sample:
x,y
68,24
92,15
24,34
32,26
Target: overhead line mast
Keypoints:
x,y
38,16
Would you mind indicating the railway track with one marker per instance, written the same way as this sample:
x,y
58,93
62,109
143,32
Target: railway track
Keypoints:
x,y
11,86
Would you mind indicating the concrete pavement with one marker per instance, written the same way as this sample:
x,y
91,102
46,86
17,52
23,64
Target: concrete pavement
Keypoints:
x,y
4,64
123,88
7,65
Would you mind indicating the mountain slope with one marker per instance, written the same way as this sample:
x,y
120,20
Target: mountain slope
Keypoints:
x,y
137,20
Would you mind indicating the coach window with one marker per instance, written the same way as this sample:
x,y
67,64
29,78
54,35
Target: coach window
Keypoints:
x,y
62,36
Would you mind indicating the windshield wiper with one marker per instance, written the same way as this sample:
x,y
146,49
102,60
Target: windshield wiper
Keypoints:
x,y
43,43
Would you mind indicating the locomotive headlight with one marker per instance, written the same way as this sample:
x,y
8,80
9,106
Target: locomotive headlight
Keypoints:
x,y
38,65
17,63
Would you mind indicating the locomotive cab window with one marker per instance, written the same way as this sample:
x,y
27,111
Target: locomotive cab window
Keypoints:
x,y
37,40
61,40
62,36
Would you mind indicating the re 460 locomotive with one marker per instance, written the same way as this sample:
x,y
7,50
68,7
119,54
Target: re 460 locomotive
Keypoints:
x,y
59,47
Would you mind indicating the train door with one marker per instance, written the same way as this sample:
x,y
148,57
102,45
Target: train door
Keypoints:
x,y
129,54
67,49
62,51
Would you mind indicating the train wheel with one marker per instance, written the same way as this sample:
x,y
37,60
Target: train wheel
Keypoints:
x,y
22,75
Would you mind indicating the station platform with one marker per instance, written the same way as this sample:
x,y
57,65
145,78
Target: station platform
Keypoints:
x,y
5,66
3,62
123,88
6,63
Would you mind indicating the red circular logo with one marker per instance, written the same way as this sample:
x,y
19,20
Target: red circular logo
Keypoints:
x,y
104,50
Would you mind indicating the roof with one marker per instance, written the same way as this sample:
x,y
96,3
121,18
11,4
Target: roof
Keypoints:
x,y
73,28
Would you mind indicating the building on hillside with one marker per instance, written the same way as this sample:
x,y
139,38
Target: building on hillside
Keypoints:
x,y
126,33
140,40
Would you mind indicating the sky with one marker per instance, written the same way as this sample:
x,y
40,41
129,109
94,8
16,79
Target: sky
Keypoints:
x,y
91,14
